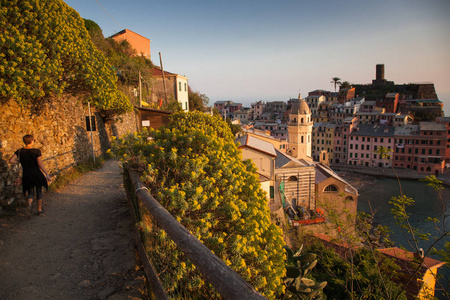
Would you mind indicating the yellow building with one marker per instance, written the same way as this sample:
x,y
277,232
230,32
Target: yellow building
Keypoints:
x,y
422,285
323,142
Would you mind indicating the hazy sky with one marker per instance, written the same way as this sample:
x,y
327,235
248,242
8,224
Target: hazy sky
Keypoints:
x,y
251,50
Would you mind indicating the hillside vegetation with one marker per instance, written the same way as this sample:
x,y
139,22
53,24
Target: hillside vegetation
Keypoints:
x,y
46,51
194,169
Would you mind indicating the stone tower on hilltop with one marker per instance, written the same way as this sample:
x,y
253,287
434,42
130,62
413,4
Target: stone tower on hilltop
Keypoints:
x,y
300,130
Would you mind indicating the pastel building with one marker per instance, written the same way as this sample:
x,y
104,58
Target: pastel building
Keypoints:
x,y
402,120
138,42
368,106
243,115
322,112
368,117
341,136
404,149
446,122
346,94
323,136
365,140
170,85
314,101
257,110
390,102
421,147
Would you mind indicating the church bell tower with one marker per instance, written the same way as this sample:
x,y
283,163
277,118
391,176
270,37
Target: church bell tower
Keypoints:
x,y
300,130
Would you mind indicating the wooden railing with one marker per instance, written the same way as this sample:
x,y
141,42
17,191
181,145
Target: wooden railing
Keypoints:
x,y
225,280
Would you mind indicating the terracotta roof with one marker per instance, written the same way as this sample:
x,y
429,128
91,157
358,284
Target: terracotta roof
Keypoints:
x,y
408,256
323,173
405,260
157,72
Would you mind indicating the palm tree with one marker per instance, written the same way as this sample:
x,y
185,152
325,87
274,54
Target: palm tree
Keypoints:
x,y
336,81
345,85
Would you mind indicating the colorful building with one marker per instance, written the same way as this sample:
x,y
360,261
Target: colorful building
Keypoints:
x,y
323,136
138,42
170,85
365,140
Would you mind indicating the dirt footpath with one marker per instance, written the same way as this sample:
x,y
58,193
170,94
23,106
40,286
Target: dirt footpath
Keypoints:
x,y
81,248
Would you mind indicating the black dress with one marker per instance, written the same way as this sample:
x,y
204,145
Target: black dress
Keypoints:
x,y
32,175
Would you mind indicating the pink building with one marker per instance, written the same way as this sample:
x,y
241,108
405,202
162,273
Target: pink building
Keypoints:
x,y
341,137
365,140
258,109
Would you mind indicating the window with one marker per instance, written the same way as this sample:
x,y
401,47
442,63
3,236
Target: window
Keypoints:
x,y
430,151
185,86
330,188
381,140
179,86
292,178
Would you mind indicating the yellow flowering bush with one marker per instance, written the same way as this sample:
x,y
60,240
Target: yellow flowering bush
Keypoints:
x,y
45,51
194,169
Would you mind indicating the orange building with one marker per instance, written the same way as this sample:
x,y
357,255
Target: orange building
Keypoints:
x,y
346,94
138,42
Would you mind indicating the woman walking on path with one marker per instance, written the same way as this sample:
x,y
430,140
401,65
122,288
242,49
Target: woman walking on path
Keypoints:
x,y
33,178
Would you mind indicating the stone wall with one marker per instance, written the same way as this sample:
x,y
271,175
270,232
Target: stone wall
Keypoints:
x,y
60,132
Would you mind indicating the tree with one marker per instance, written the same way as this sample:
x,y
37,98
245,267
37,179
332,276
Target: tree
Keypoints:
x,y
345,85
45,50
359,274
235,128
194,169
336,81
197,101
350,262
